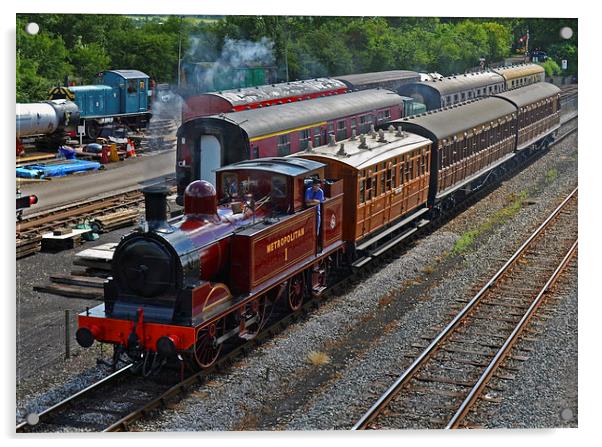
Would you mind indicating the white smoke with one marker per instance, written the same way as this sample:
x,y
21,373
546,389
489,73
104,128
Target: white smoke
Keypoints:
x,y
167,106
234,54
238,53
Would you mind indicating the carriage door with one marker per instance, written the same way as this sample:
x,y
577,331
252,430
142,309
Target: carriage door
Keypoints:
x,y
211,157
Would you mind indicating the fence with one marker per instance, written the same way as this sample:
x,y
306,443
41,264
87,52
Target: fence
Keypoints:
x,y
45,340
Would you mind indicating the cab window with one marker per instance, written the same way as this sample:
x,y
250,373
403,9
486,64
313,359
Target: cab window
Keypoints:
x,y
278,186
229,185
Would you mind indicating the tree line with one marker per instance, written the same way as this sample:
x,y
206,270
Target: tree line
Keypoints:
x,y
74,47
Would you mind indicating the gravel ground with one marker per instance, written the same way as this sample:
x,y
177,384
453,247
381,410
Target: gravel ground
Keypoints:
x,y
277,387
367,336
43,375
544,392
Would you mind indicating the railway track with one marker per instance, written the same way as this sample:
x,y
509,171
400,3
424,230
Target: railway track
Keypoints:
x,y
116,402
49,417
443,384
30,229
569,90
118,412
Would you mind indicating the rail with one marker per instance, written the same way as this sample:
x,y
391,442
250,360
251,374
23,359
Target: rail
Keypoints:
x,y
436,343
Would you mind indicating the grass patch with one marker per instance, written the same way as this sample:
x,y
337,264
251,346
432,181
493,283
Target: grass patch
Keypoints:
x,y
428,270
467,239
318,358
551,175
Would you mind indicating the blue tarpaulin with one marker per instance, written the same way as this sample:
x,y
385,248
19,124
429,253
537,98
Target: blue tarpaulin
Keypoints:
x,y
57,170
67,152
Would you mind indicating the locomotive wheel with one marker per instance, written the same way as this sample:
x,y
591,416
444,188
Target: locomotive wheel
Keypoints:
x,y
296,291
93,129
206,349
262,309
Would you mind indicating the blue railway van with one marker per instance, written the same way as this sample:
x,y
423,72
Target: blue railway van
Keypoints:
x,y
132,86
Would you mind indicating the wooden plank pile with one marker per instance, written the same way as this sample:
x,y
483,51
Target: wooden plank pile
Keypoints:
x,y
87,283
97,258
28,245
75,286
118,219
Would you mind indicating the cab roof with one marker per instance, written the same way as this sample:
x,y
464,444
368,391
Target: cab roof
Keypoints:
x,y
128,74
292,167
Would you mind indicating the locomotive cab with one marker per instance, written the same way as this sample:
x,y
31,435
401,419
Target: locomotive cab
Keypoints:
x,y
276,184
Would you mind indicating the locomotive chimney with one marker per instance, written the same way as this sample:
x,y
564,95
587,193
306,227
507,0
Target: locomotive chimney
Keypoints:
x,y
155,204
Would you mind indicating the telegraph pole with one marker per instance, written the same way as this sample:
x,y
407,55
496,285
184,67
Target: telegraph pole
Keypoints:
x,y
179,50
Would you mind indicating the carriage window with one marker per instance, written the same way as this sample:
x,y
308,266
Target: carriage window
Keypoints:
x,y
317,140
341,130
131,86
364,126
382,183
247,187
255,152
362,191
389,175
279,186
353,124
393,173
304,138
456,97
284,145
423,161
369,187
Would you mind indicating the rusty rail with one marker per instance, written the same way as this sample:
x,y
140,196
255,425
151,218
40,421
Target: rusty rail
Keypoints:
x,y
503,352
44,415
434,346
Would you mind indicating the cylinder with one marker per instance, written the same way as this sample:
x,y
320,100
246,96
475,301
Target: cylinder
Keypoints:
x,y
45,118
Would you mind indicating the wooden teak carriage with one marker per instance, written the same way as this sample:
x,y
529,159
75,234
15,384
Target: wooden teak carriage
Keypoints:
x,y
385,181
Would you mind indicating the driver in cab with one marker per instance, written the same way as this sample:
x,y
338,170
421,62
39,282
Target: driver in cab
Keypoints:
x,y
314,195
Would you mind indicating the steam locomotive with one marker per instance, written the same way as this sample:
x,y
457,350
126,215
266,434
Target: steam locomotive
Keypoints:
x,y
181,289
